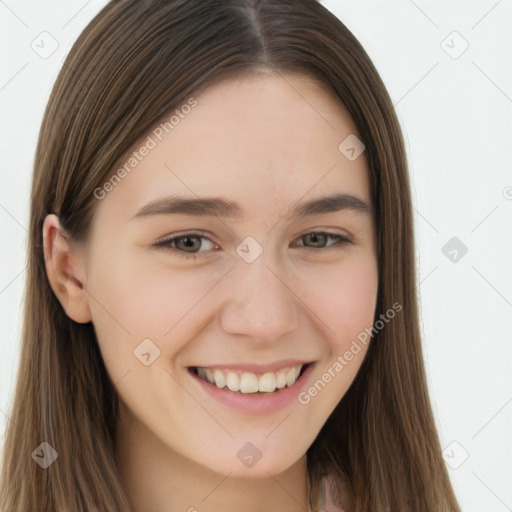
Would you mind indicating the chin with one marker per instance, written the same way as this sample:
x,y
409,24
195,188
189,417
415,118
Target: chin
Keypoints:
x,y
248,463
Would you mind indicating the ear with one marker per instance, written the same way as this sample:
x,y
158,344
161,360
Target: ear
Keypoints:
x,y
64,268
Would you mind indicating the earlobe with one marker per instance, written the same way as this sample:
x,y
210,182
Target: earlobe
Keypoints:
x,y
62,264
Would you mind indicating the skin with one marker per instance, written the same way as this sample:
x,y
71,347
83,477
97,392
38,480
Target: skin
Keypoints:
x,y
265,142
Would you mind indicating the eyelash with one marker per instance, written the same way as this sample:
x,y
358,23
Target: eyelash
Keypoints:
x,y
342,240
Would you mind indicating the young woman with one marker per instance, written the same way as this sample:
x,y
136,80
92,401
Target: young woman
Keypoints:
x,y
221,305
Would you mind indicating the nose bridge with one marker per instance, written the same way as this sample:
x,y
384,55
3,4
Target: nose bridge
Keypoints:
x,y
259,302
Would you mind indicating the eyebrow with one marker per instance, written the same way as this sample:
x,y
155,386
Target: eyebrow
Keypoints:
x,y
219,207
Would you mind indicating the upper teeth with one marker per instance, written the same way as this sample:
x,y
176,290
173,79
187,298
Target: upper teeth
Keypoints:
x,y
249,382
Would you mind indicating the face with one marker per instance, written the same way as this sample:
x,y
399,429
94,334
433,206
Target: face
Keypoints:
x,y
262,295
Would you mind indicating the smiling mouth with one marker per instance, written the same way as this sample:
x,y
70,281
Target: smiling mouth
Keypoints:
x,y
248,382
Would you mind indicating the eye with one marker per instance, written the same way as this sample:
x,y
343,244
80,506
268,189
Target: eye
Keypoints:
x,y
318,237
187,245
188,242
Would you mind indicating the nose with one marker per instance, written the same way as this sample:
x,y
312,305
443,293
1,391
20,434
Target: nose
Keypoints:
x,y
260,303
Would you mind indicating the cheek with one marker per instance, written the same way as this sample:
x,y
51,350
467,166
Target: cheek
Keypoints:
x,y
345,301
140,297
135,300
123,307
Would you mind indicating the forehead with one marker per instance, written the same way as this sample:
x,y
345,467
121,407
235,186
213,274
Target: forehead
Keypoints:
x,y
264,141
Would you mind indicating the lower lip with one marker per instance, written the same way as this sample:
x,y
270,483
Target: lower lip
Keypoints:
x,y
254,403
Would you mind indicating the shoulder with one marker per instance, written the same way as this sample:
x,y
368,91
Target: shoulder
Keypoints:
x,y
334,495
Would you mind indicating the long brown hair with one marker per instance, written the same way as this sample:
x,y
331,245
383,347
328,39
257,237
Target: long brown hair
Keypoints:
x,y
136,61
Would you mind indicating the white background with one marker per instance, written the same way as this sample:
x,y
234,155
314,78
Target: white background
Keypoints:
x,y
456,114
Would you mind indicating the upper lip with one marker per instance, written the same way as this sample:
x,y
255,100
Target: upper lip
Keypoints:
x,y
256,368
